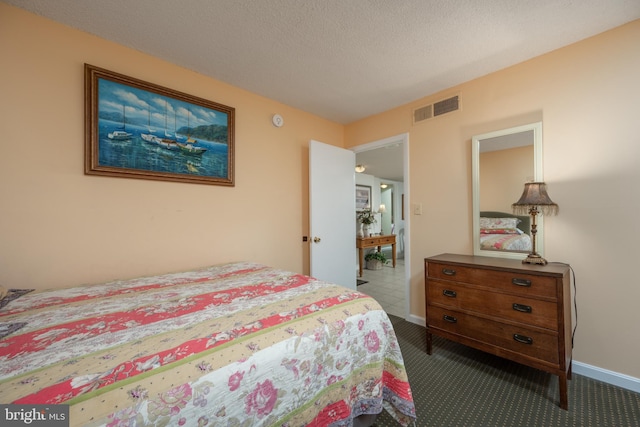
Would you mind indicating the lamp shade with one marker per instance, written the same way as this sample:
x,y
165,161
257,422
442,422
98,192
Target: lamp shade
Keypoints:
x,y
535,196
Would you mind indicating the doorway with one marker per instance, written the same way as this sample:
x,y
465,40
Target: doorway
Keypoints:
x,y
386,164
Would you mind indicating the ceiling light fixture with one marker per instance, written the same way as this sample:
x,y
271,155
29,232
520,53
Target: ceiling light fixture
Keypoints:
x,y
360,168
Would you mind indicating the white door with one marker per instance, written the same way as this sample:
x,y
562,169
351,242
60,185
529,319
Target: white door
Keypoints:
x,y
332,214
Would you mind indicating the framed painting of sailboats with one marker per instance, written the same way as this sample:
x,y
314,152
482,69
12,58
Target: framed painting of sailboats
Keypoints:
x,y
136,129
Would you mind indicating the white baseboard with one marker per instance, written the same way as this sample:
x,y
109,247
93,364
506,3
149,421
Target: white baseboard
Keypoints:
x,y
604,375
600,374
416,320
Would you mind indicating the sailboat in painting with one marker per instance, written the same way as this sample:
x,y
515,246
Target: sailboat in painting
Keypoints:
x,y
190,148
164,142
178,138
151,130
167,134
121,135
170,141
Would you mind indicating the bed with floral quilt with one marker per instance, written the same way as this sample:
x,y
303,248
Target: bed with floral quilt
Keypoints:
x,y
501,231
238,344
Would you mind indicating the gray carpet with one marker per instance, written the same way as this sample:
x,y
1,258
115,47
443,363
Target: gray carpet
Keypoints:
x,y
460,386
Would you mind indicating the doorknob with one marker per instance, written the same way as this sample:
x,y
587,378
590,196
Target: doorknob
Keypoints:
x,y
316,240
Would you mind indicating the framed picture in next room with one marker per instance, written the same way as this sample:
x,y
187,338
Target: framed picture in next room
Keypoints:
x,y
363,197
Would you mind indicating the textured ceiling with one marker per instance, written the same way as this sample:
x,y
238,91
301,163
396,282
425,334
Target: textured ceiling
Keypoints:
x,y
341,59
385,163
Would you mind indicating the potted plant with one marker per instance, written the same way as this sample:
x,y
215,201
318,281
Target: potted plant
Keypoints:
x,y
375,260
366,218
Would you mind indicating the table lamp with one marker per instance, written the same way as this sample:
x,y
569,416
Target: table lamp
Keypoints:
x,y
534,201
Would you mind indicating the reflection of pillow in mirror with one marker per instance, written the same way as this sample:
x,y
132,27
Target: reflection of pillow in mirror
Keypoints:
x,y
498,223
499,231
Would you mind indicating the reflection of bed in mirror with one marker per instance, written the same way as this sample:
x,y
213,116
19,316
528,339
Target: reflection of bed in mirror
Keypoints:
x,y
501,231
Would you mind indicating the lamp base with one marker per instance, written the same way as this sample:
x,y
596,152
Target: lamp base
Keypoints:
x,y
534,259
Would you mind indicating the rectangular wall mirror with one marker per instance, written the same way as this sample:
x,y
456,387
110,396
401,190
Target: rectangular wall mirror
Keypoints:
x,y
502,161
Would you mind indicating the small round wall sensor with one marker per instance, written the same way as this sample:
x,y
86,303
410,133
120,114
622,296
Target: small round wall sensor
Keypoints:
x,y
277,120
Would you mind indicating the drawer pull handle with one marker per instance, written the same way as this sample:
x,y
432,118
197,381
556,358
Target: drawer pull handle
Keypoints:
x,y
449,293
523,339
521,282
448,272
522,308
450,319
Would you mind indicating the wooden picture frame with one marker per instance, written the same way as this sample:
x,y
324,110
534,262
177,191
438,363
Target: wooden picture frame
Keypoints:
x,y
136,129
363,197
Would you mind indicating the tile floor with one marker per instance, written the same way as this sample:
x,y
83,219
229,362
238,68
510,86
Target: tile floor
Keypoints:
x,y
387,287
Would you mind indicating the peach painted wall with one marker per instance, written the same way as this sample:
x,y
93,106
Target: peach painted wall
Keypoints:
x,y
502,177
60,227
587,97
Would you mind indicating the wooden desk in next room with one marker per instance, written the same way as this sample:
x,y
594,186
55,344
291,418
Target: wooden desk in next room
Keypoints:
x,y
372,242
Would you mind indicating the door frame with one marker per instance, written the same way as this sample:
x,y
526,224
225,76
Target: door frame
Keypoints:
x,y
404,139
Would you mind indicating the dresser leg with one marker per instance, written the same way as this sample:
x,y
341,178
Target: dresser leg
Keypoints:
x,y
570,369
562,382
428,343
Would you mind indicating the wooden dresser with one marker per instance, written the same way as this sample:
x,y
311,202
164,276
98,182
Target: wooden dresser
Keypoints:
x,y
521,312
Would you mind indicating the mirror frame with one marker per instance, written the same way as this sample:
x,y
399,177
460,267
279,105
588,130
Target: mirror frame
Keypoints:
x,y
475,167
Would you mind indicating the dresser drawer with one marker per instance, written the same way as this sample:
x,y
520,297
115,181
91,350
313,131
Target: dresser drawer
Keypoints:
x,y
522,283
517,308
539,345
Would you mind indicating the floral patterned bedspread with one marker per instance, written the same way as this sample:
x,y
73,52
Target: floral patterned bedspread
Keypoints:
x,y
238,344
508,242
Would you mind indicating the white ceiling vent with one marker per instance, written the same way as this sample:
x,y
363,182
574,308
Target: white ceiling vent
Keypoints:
x,y
436,109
